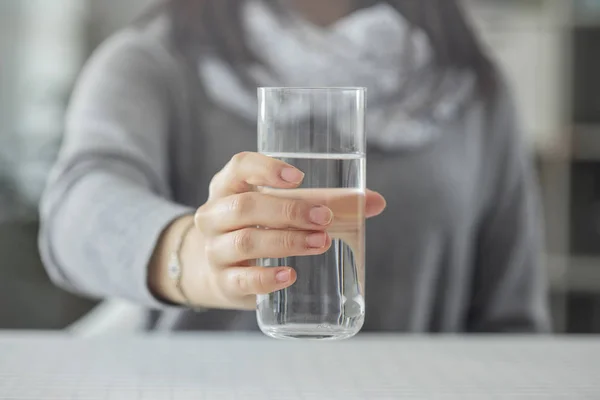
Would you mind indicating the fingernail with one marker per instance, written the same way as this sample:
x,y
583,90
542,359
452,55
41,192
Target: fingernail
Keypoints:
x,y
321,215
316,240
292,175
283,276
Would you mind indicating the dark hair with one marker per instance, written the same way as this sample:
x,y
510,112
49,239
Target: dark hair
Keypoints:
x,y
218,25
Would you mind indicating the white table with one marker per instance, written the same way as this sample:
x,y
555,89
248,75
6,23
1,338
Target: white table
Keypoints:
x,y
199,367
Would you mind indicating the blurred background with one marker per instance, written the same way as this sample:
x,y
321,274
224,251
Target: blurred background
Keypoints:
x,y
550,50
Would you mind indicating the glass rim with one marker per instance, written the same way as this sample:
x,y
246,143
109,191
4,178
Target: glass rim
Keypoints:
x,y
313,88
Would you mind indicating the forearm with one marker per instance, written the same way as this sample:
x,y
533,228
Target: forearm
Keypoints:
x,y
98,242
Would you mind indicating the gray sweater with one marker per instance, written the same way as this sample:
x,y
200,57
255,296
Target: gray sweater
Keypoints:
x,y
456,251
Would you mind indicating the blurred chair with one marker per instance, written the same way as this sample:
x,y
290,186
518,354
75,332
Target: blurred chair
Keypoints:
x,y
111,317
28,300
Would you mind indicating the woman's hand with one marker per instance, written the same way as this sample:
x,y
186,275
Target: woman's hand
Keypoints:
x,y
219,267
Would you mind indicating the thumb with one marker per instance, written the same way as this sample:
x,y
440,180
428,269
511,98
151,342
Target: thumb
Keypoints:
x,y
375,204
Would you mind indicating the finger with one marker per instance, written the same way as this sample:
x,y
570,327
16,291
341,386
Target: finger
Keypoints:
x,y
251,243
253,209
248,169
375,204
245,281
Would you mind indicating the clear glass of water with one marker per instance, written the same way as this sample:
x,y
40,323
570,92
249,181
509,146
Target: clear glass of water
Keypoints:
x,y
321,131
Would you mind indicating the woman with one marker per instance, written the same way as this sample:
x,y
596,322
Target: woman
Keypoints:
x,y
164,119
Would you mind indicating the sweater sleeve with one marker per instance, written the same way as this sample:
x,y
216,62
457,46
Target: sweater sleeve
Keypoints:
x,y
510,291
108,198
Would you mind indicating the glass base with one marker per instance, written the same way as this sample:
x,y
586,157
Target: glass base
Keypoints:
x,y
308,332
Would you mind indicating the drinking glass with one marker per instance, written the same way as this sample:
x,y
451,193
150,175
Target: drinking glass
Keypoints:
x,y
320,131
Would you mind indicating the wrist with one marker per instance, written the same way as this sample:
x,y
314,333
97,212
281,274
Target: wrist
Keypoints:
x,y
198,282
160,281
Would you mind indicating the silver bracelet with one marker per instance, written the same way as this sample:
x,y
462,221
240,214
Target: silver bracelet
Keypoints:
x,y
176,270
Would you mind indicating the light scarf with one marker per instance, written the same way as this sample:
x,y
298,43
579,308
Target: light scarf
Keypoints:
x,y
374,48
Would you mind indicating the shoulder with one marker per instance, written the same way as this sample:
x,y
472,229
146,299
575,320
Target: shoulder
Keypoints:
x,y
136,62
143,52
